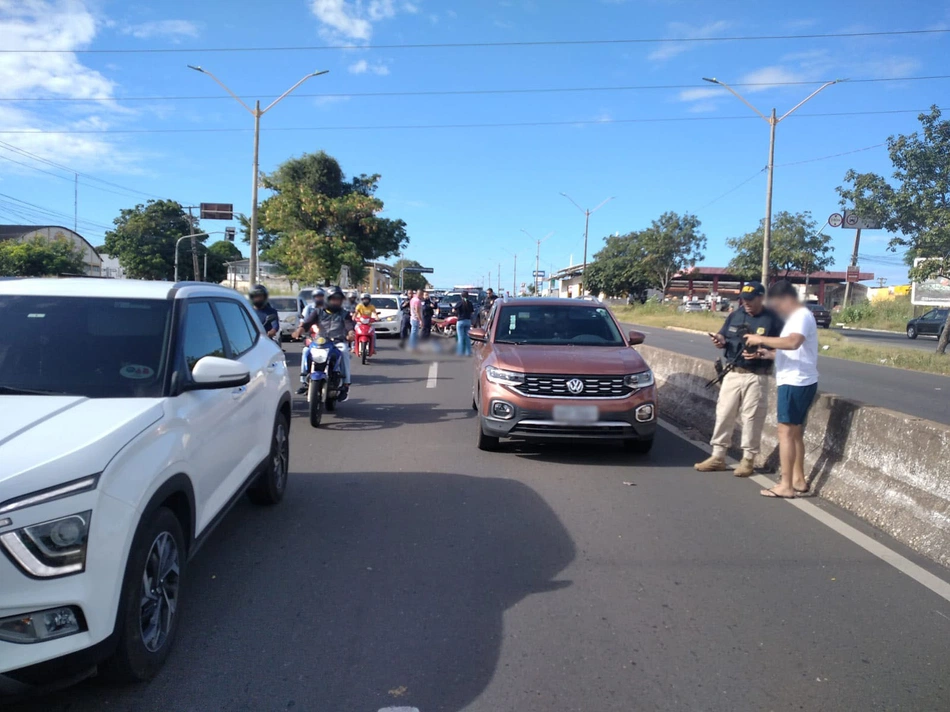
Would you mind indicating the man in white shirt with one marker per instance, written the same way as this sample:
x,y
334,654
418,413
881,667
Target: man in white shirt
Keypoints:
x,y
796,372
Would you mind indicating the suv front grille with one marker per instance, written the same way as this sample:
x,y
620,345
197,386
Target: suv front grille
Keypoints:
x,y
553,386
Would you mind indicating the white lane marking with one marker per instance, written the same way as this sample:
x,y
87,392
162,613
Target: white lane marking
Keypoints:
x,y
870,545
433,375
399,709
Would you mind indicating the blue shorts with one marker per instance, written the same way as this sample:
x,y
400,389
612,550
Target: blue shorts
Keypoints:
x,y
794,403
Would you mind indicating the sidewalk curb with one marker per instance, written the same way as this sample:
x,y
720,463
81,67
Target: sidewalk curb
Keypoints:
x,y
684,330
872,331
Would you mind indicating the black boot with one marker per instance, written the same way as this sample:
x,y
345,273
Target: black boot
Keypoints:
x,y
304,387
344,393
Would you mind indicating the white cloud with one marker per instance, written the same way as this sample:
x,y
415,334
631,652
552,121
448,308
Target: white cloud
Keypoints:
x,y
174,30
364,67
770,77
354,19
681,30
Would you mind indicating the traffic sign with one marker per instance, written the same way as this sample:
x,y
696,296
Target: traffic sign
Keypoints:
x,y
854,273
853,221
418,270
836,220
539,274
217,211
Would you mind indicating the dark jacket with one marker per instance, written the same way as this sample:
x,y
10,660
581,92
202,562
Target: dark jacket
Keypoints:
x,y
740,322
268,317
464,310
333,325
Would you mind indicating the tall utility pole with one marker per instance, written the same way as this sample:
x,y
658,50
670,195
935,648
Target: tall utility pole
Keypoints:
x,y
76,204
854,263
537,258
257,113
773,122
587,214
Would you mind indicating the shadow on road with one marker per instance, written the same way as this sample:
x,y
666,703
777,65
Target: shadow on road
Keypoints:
x,y
358,592
357,414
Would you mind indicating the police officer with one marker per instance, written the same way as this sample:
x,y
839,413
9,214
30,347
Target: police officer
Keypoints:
x,y
267,315
744,391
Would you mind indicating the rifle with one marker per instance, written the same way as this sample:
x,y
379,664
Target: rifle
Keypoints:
x,y
724,370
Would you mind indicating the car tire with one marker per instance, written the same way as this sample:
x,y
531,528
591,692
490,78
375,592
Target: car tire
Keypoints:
x,y
315,403
638,447
911,332
158,556
269,488
486,443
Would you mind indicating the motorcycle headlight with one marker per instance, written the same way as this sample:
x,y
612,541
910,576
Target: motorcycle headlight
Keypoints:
x,y
640,380
503,377
319,355
50,549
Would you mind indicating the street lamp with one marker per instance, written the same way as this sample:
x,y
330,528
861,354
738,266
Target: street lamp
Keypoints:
x,y
773,122
257,113
537,258
587,214
514,278
188,237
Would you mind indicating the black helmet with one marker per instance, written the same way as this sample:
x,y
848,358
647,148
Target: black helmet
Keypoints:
x,y
334,292
319,293
258,294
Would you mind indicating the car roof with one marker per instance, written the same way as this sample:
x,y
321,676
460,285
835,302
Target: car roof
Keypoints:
x,y
113,288
554,301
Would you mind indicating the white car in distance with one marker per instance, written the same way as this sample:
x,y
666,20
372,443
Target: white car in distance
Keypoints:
x,y
389,313
132,416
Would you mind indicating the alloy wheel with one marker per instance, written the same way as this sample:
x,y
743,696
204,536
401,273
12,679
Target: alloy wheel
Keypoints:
x,y
281,459
160,587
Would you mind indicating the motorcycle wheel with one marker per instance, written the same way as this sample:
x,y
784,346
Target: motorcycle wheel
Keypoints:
x,y
315,402
449,332
364,352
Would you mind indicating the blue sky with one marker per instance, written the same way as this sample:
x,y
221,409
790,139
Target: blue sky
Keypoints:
x,y
465,192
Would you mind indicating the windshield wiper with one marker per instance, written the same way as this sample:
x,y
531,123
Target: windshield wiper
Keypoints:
x,y
514,343
12,391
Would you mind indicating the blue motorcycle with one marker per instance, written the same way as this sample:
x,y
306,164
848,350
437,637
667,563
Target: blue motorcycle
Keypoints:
x,y
324,366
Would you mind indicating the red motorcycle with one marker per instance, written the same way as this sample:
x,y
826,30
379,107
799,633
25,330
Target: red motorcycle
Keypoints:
x,y
446,327
365,337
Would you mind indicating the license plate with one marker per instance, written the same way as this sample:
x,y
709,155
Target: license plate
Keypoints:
x,y
576,413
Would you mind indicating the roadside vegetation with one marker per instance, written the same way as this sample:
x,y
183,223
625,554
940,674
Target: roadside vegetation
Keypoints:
x,y
887,314
833,344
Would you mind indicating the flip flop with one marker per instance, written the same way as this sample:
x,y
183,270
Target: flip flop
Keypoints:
x,y
805,491
775,495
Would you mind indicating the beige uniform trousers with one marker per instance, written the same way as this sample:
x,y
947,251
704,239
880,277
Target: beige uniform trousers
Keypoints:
x,y
743,396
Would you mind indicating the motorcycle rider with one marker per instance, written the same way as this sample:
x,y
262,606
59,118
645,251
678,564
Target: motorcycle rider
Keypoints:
x,y
319,300
368,309
352,302
267,315
336,325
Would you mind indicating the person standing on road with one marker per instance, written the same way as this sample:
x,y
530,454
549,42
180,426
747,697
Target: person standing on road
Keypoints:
x,y
744,391
428,311
267,315
796,373
415,319
404,325
464,311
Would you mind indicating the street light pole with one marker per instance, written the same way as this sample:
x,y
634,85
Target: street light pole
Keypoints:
x,y
257,113
537,257
192,237
587,214
773,121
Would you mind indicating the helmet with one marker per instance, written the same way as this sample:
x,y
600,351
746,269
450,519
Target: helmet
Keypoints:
x,y
258,294
365,295
318,294
353,294
334,292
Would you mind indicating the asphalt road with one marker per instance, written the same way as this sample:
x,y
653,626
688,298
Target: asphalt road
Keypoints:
x,y
877,338
406,569
922,395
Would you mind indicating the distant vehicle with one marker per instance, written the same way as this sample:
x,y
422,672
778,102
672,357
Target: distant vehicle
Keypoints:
x,y
388,312
555,369
821,314
289,316
447,304
929,324
693,306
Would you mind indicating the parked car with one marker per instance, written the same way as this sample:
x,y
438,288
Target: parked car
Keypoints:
x,y
821,314
388,309
133,414
289,316
693,306
550,369
929,324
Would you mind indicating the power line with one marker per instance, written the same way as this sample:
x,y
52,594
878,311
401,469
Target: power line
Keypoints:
x,y
459,92
465,45
66,178
834,155
39,209
733,190
510,124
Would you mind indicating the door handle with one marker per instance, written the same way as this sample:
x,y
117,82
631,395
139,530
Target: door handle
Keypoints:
x,y
271,366
238,392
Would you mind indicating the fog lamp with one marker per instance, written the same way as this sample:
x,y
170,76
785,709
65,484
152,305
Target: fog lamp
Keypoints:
x,y
502,410
645,413
41,625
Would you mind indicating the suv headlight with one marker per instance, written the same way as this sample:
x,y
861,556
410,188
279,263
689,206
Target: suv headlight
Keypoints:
x,y
67,489
50,549
503,377
637,381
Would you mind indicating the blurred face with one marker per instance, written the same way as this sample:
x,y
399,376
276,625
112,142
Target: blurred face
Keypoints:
x,y
425,295
335,303
258,300
784,306
754,305
319,299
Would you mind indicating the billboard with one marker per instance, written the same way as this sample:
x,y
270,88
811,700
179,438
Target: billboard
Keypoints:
x,y
932,292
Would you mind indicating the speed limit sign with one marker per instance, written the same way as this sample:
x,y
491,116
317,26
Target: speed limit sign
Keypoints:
x,y
835,220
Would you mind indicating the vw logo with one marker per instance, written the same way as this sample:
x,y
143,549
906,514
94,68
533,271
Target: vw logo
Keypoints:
x,y
575,386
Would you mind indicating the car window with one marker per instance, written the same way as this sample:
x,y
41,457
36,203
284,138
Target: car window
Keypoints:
x,y
384,303
557,325
237,327
200,336
284,303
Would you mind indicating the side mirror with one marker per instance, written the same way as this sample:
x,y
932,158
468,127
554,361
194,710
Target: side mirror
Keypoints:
x,y
213,372
478,335
636,337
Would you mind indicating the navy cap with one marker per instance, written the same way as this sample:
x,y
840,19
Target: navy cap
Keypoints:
x,y
751,290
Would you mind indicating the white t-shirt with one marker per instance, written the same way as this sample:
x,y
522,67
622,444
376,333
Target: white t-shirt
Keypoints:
x,y
799,367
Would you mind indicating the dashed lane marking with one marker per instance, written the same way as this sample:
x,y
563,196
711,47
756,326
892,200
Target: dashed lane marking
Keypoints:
x,y
433,377
399,709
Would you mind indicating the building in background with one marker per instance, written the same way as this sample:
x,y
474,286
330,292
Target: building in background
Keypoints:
x,y
21,233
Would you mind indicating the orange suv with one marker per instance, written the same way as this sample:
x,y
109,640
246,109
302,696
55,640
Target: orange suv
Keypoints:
x,y
557,369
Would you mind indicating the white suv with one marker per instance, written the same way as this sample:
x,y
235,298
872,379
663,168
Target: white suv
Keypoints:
x,y
132,415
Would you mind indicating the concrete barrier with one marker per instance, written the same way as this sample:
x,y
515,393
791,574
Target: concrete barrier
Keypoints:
x,y
890,469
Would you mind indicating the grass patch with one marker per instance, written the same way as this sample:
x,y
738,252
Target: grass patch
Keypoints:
x,y
838,344
888,314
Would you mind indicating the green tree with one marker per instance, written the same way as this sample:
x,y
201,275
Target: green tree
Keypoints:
x,y
324,222
670,245
413,280
617,269
219,254
796,246
144,240
40,257
915,207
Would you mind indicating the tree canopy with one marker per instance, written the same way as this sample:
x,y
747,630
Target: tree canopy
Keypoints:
x,y
40,257
324,221
617,270
796,246
144,240
915,207
413,280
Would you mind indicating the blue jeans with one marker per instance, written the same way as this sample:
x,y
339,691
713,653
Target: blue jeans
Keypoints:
x,y
415,328
464,343
305,365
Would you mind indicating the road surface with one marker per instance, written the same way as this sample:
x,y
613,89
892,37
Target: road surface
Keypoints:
x,y
406,569
920,394
877,338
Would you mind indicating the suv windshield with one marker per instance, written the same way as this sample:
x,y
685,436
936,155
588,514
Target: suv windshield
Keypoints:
x,y
557,325
92,347
384,303
284,303
451,299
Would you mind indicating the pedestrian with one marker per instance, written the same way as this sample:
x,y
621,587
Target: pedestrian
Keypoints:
x,y
743,395
428,311
464,311
404,325
415,320
796,373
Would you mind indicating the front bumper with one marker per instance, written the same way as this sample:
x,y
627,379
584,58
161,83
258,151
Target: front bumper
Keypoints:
x,y
386,328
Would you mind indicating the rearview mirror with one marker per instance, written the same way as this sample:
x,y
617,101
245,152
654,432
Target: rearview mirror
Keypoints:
x,y
478,335
213,372
636,337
